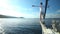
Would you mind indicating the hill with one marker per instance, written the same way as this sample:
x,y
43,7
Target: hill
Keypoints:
x,y
4,16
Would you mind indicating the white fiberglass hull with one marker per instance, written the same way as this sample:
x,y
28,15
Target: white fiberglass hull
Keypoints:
x,y
46,30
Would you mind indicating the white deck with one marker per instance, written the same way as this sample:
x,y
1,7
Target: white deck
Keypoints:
x,y
47,30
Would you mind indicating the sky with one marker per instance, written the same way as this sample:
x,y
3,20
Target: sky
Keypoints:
x,y
23,8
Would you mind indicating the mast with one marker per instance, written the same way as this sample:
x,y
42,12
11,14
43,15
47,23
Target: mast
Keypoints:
x,y
46,3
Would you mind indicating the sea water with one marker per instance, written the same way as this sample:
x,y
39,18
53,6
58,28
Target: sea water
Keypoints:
x,y
23,25
20,26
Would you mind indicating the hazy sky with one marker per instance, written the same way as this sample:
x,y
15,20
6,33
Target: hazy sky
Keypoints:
x,y
23,8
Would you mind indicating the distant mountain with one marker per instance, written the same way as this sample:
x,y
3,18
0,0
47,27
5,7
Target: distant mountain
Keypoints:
x,y
4,16
21,17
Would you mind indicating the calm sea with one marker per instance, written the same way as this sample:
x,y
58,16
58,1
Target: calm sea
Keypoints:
x,y
22,26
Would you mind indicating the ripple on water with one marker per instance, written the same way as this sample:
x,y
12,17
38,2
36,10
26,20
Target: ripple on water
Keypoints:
x,y
1,30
